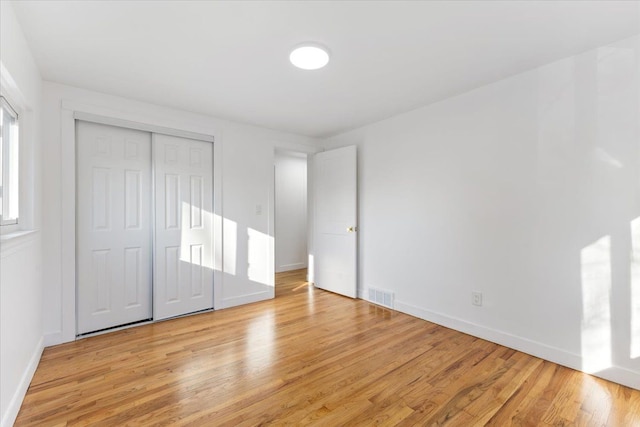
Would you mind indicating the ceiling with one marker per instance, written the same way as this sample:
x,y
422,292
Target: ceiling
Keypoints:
x,y
230,59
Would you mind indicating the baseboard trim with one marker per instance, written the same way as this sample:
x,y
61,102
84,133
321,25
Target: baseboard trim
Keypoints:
x,y
9,417
289,267
616,374
246,299
620,375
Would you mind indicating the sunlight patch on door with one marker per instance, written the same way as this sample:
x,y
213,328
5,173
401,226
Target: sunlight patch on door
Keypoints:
x,y
198,235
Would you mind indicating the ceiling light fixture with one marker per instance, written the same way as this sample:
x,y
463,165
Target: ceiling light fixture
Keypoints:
x,y
309,56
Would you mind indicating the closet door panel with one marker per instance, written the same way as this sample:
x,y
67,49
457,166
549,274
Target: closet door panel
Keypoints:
x,y
113,220
183,279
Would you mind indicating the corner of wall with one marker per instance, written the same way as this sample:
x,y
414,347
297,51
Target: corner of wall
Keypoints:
x,y
561,357
9,417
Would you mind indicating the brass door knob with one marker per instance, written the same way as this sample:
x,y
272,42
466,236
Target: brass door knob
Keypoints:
x,y
352,229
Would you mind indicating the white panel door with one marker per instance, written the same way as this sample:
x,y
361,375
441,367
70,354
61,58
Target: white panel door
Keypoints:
x,y
113,226
183,279
335,185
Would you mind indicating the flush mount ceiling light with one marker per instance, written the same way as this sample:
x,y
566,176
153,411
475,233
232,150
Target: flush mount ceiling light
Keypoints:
x,y
309,56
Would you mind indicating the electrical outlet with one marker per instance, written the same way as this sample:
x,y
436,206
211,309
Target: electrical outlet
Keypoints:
x,y
258,209
476,298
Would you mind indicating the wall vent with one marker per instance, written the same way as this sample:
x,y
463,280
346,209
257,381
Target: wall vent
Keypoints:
x,y
381,297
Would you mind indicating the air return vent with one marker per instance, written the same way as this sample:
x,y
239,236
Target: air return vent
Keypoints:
x,y
381,297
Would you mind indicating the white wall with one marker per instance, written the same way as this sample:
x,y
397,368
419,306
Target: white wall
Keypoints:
x,y
290,210
243,175
20,256
525,190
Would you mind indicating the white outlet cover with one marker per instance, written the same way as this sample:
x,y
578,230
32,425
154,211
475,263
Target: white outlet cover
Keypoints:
x,y
476,298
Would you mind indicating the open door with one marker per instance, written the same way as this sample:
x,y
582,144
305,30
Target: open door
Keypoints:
x,y
335,219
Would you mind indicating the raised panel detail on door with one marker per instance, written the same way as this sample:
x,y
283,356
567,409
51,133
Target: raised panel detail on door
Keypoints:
x,y
196,202
171,201
171,273
100,282
183,280
113,220
100,198
197,273
132,199
132,285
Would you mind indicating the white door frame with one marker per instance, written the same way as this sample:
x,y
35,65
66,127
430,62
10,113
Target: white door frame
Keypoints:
x,y
309,151
69,111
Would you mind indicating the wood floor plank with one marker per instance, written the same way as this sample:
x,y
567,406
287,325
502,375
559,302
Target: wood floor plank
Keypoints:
x,y
310,357
511,412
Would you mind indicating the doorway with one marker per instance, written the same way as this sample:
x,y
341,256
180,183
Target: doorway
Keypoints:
x,y
291,221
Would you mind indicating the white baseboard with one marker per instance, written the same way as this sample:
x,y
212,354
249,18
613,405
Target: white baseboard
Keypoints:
x,y
289,267
621,376
561,357
9,417
245,299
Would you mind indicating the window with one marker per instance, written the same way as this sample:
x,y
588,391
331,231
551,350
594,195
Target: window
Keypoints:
x,y
9,181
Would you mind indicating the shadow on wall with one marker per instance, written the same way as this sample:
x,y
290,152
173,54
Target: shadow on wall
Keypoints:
x,y
188,266
192,251
259,247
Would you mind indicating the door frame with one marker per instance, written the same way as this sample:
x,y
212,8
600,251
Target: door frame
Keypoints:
x,y
72,111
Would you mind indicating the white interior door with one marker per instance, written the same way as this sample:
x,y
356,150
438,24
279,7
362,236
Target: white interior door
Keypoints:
x,y
335,246
183,279
113,226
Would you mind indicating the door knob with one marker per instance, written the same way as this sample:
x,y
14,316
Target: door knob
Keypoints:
x,y
352,229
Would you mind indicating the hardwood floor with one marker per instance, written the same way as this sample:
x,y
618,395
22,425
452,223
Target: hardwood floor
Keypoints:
x,y
311,357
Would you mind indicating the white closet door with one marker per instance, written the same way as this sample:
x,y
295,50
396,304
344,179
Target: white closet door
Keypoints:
x,y
183,279
113,226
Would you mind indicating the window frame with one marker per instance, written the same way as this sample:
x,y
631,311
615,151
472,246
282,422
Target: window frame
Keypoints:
x,y
10,151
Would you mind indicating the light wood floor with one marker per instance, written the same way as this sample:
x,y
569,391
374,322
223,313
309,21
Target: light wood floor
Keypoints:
x,y
311,357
